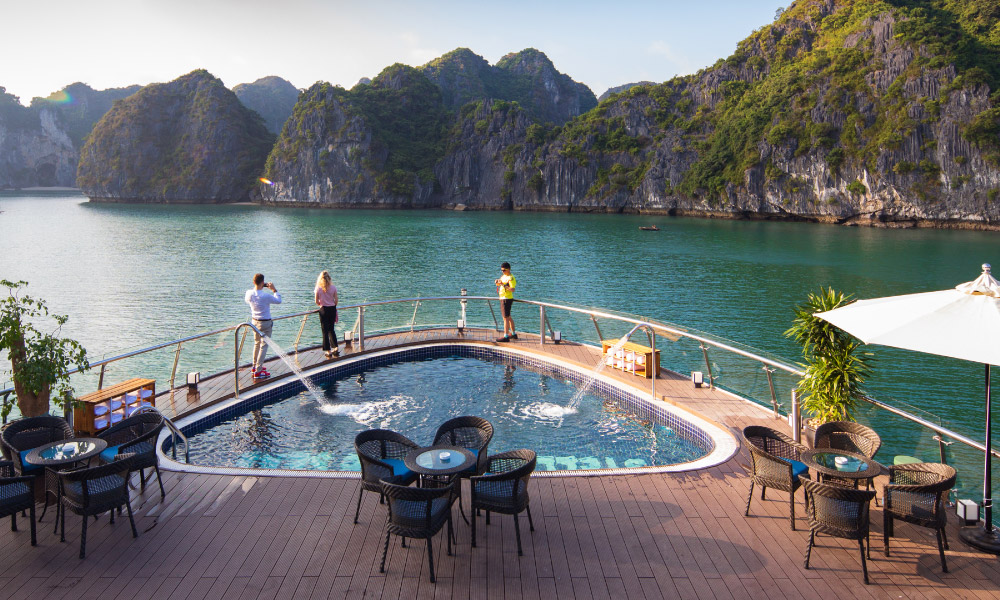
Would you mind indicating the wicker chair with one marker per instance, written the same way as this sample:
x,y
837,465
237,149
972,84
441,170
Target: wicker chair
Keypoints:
x,y
472,433
136,436
775,460
838,511
418,513
23,435
504,489
92,491
849,436
16,495
381,453
917,493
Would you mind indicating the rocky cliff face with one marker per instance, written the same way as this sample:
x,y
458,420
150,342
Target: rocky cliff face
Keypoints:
x,y
622,88
190,140
273,98
35,149
80,107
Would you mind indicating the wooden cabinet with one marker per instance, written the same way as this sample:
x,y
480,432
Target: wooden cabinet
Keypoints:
x,y
631,358
101,409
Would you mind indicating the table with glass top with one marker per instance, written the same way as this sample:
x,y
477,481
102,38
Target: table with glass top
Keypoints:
x,y
439,460
841,464
62,454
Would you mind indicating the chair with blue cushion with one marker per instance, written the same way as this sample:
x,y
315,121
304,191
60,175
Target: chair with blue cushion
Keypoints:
x,y
503,489
775,460
16,495
381,453
418,513
24,435
473,434
136,436
95,490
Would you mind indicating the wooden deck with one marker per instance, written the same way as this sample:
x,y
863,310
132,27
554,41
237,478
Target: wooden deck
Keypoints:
x,y
641,536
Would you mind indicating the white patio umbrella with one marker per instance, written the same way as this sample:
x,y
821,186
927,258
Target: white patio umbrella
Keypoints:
x,y
963,322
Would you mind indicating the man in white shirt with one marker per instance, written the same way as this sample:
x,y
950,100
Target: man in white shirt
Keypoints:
x,y
260,301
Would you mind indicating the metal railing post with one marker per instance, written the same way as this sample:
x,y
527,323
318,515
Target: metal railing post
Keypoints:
x,y
796,418
942,446
302,328
653,363
774,396
541,325
600,336
361,329
100,380
463,304
496,325
237,348
173,372
708,366
413,321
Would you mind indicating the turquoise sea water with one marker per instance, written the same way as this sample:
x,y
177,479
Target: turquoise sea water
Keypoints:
x,y
132,275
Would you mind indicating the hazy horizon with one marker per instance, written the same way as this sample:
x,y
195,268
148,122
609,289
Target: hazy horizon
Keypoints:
x,y
117,43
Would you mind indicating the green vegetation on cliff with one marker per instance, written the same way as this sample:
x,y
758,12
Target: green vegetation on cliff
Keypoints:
x,y
273,98
81,107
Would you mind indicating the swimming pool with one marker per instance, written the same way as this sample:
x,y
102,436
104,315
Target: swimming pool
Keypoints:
x,y
413,391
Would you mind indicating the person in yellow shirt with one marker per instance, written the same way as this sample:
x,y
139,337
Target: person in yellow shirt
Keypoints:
x,y
505,289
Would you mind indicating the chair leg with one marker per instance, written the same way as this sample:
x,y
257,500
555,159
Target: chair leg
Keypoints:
x,y
449,535
357,512
791,509
13,522
749,498
809,547
763,490
531,524
487,517
430,558
517,532
83,539
163,494
864,565
62,526
142,479
385,551
944,537
886,531
33,541
131,520
940,541
474,530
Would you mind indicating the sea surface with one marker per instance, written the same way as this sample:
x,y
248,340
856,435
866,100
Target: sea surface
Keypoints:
x,y
132,275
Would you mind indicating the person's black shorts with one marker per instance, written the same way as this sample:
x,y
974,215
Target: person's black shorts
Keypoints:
x,y
506,303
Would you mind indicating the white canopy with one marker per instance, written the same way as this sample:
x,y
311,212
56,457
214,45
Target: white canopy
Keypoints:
x,y
961,323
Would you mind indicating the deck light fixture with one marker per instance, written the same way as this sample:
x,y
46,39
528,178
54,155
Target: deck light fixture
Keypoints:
x,y
556,336
697,378
461,325
193,379
968,511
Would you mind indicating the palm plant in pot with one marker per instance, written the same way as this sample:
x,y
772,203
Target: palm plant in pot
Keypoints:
x,y
835,365
39,360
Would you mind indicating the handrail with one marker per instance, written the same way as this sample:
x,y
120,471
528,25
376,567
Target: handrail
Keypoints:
x,y
174,433
671,331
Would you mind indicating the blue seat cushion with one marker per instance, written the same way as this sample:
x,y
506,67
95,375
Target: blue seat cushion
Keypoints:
x,y
25,467
399,470
798,468
109,453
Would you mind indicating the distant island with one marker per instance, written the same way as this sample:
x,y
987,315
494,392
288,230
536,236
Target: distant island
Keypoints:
x,y
840,111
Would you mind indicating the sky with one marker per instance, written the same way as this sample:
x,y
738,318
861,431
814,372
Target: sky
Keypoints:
x,y
113,43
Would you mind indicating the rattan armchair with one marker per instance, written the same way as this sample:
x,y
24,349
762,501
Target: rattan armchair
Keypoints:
x,y
851,437
840,512
16,495
136,436
472,433
917,493
23,435
92,491
418,513
775,464
381,453
504,489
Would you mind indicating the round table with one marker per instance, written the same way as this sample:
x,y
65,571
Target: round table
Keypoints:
x,y
65,452
61,454
841,464
428,461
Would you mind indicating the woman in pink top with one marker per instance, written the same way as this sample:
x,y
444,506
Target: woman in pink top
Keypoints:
x,y
326,299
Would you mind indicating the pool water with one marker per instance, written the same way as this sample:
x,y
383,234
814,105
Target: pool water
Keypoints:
x,y
525,406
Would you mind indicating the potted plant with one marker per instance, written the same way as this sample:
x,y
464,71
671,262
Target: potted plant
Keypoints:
x,y
835,367
39,361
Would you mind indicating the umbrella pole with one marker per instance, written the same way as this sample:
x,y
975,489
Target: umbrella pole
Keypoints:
x,y
985,538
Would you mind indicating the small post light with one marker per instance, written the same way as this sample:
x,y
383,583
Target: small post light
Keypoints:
x,y
556,336
461,325
193,379
968,511
697,379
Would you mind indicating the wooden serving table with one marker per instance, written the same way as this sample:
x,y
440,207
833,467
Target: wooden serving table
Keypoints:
x,y
635,359
138,390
